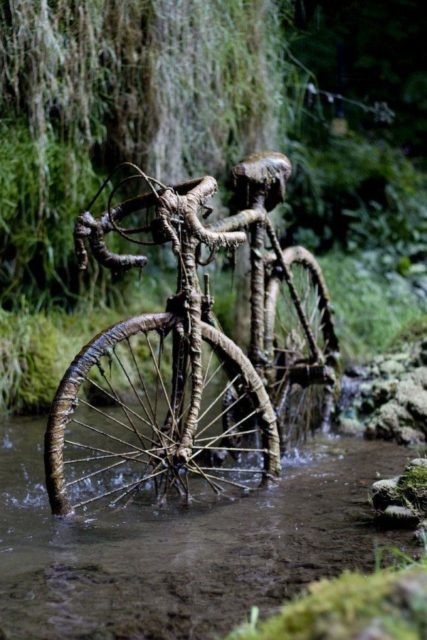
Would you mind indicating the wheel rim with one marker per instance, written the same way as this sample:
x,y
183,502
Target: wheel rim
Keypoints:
x,y
114,428
301,408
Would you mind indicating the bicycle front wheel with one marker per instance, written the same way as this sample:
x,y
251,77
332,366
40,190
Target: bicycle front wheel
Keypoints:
x,y
116,421
302,369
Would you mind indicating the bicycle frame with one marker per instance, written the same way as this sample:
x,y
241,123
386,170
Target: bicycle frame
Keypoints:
x,y
260,183
264,388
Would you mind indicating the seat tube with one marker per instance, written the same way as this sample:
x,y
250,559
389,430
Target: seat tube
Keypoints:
x,y
256,352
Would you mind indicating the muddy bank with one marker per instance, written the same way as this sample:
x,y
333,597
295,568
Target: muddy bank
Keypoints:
x,y
179,573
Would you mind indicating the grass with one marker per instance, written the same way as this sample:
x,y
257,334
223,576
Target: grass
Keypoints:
x,y
372,306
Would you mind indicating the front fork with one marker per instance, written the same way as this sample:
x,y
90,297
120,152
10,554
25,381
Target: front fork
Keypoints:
x,y
184,361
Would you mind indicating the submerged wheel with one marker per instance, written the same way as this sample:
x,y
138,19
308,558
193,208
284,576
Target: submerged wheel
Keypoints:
x,y
301,387
115,423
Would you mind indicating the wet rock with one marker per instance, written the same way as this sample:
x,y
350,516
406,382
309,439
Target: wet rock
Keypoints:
x,y
393,367
382,391
409,436
402,501
419,375
392,398
350,426
423,353
411,393
397,516
385,493
392,421
356,371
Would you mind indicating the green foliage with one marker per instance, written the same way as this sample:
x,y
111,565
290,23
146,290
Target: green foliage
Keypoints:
x,y
372,304
32,353
178,87
38,205
36,349
362,194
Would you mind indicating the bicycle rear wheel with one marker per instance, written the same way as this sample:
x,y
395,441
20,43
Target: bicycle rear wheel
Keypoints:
x,y
301,386
115,423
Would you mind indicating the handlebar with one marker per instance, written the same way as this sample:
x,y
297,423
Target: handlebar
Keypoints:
x,y
171,202
259,182
87,227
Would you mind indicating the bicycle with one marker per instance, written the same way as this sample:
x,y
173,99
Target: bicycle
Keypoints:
x,y
176,405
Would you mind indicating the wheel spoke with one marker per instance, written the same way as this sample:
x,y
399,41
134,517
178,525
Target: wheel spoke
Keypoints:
x,y
159,377
113,491
103,470
226,432
105,434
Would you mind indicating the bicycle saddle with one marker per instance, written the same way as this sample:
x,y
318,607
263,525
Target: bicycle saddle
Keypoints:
x,y
261,179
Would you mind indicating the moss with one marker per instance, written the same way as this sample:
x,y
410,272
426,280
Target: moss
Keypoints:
x,y
413,331
36,349
413,486
32,353
350,605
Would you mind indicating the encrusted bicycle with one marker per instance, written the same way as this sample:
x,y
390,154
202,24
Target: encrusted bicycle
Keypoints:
x,y
164,406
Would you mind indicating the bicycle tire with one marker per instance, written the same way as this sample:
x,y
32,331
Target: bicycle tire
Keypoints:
x,y
301,390
89,407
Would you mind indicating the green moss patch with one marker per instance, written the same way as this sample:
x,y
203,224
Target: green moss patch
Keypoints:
x,y
389,604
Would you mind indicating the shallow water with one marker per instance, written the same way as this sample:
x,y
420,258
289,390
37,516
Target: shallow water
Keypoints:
x,y
182,572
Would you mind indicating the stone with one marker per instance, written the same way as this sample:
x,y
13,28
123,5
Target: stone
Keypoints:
x,y
399,516
392,367
413,396
384,493
349,426
409,436
419,376
388,421
412,484
383,390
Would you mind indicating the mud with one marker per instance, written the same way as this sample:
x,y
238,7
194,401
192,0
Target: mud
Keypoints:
x,y
183,572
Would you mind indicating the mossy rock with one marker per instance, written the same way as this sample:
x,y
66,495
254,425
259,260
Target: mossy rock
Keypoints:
x,y
400,517
413,484
349,426
384,493
402,501
392,421
352,606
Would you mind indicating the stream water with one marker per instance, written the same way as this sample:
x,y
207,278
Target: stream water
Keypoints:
x,y
182,572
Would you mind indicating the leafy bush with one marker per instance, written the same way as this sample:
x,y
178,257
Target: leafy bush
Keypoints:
x,y
362,194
